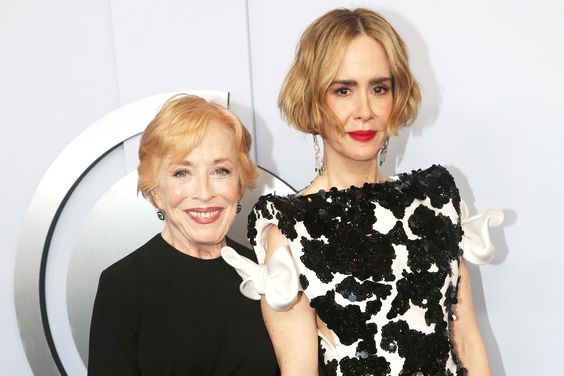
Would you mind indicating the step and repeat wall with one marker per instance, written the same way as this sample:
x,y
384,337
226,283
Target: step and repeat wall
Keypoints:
x,y
80,80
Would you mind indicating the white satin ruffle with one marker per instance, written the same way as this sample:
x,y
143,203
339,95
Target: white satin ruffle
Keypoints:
x,y
476,244
277,280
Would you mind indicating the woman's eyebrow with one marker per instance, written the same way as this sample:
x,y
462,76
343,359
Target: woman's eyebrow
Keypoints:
x,y
379,80
190,164
373,81
344,82
222,160
182,163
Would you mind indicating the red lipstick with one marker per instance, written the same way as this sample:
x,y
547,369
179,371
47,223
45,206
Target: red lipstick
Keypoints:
x,y
362,136
204,216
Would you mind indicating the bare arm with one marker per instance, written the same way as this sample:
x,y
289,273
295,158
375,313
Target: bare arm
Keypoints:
x,y
293,332
466,333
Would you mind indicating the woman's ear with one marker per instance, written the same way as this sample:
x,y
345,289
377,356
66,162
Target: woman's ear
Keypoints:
x,y
156,198
241,189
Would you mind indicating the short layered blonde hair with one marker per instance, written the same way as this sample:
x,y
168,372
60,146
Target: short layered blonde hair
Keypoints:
x,y
319,54
177,129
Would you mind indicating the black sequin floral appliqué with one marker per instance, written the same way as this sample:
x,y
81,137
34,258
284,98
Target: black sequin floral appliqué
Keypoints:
x,y
386,295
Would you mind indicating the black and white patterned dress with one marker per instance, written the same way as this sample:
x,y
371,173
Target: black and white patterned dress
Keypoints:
x,y
380,266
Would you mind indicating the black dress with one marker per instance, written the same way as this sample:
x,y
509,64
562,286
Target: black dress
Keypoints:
x,y
161,312
380,266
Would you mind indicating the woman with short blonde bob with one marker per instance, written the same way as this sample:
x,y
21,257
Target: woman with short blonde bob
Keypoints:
x,y
172,307
302,98
384,289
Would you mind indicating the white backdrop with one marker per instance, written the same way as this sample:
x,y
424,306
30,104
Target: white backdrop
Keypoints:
x,y
491,76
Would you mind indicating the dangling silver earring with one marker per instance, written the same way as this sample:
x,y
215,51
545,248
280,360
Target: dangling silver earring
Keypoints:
x,y
319,168
384,151
160,215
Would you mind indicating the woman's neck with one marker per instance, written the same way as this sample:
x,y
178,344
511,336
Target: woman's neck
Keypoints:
x,y
202,251
343,172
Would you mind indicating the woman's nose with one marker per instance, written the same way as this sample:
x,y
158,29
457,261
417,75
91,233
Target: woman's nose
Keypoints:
x,y
363,108
203,190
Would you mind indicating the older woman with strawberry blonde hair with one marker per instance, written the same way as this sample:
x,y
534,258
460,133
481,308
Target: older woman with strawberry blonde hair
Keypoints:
x,y
172,307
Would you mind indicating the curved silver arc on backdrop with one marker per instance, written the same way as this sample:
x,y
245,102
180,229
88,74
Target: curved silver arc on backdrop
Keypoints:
x,y
47,203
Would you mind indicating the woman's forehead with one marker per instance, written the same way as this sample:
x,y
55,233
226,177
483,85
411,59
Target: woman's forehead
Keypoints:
x,y
217,145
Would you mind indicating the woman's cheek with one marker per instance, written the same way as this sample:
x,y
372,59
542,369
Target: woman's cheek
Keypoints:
x,y
229,189
177,194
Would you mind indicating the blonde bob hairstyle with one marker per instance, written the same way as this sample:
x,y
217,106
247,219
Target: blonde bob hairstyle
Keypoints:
x,y
177,129
319,53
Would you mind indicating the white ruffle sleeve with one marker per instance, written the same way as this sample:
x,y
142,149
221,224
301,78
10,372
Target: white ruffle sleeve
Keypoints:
x,y
277,280
476,242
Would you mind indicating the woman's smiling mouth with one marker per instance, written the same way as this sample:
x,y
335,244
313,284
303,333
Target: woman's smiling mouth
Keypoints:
x,y
204,215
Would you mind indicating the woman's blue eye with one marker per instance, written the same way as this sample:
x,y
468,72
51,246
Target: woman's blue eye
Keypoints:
x,y
180,174
222,171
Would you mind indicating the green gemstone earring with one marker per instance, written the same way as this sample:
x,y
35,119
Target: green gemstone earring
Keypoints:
x,y
239,207
160,215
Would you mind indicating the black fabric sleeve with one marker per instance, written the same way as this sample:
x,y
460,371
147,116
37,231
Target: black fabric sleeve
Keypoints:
x,y
115,326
